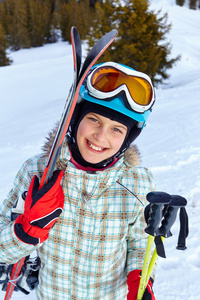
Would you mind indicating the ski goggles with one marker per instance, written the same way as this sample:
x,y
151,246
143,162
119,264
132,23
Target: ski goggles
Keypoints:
x,y
110,79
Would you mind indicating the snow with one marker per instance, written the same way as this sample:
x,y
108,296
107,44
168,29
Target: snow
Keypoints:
x,y
32,96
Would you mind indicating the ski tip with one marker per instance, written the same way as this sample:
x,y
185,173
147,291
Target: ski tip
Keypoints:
x,y
73,28
109,37
115,31
74,31
112,34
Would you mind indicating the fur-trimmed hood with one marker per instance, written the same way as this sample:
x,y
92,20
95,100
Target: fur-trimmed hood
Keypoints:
x,y
132,155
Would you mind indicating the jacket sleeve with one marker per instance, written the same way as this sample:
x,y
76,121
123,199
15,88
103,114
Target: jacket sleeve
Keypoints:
x,y
137,238
11,248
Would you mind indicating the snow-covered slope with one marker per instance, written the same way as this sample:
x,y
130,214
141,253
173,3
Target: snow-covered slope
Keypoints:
x,y
32,95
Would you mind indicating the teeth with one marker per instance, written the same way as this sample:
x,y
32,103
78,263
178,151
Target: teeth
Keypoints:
x,y
94,147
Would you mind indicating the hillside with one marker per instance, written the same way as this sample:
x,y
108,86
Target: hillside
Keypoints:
x,y
33,92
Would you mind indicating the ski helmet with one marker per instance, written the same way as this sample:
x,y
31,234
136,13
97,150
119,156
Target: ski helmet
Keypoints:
x,y
121,89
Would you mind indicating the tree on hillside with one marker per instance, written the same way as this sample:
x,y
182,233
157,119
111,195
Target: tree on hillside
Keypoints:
x,y
180,2
93,2
38,22
75,13
141,39
16,26
29,23
2,15
193,4
68,17
4,60
49,9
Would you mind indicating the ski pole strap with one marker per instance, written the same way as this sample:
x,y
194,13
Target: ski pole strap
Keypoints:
x,y
178,202
160,246
184,229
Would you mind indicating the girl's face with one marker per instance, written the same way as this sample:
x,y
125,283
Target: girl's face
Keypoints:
x,y
99,138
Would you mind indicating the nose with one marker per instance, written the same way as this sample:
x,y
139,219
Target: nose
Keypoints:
x,y
101,134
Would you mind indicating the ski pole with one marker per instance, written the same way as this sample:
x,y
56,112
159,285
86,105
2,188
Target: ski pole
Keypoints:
x,y
157,201
168,221
164,232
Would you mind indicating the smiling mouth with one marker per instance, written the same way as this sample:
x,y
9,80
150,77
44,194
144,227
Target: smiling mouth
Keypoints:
x,y
96,148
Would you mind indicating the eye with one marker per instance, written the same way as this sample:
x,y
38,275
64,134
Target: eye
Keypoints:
x,y
93,119
117,130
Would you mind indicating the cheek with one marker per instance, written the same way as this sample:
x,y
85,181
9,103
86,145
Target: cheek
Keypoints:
x,y
117,143
82,131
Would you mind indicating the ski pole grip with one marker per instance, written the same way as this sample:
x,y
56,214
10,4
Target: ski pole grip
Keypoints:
x,y
157,200
168,221
170,215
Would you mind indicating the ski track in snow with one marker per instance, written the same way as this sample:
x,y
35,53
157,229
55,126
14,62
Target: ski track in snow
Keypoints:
x,y
33,93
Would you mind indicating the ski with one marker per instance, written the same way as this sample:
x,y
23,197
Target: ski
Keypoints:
x,y
90,60
79,75
97,50
77,53
16,270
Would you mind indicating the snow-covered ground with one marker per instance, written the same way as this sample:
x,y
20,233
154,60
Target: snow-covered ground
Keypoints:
x,y
32,96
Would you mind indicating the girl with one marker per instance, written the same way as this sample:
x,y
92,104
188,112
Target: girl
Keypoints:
x,y
95,198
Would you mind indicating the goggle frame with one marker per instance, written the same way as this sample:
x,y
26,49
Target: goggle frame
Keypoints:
x,y
122,89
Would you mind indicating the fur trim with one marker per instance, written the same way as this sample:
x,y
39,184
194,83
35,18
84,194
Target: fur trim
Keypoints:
x,y
46,148
131,155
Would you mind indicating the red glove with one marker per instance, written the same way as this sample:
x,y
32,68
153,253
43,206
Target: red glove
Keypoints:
x,y
133,282
42,209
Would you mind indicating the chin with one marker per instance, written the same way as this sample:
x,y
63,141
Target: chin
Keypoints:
x,y
93,161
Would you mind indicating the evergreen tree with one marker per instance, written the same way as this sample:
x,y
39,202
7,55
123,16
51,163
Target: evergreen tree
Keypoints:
x,y
103,21
180,2
17,31
193,4
30,23
67,13
51,29
141,42
38,22
4,60
75,13
93,2
2,14
42,21
85,16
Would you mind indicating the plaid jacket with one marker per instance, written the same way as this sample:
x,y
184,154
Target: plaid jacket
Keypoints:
x,y
98,239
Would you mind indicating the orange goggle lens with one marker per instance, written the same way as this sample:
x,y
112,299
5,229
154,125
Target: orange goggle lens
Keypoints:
x,y
108,79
